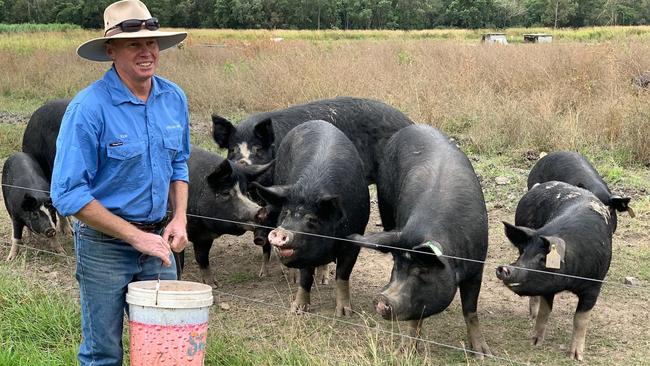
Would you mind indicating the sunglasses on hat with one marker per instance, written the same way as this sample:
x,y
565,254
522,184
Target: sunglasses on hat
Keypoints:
x,y
133,25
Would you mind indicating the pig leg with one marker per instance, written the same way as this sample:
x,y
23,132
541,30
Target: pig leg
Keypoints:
x,y
16,239
545,307
201,254
266,257
386,213
533,306
580,324
469,291
344,264
322,275
55,244
303,298
411,342
180,263
63,225
291,274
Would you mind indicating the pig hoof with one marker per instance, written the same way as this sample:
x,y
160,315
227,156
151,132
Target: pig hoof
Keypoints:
x,y
344,311
481,350
576,355
538,340
58,248
13,252
409,347
209,279
298,308
263,272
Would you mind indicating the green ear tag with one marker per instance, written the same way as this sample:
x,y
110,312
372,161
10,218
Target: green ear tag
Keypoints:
x,y
435,248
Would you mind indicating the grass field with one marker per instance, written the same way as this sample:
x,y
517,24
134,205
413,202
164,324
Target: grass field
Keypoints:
x,y
504,105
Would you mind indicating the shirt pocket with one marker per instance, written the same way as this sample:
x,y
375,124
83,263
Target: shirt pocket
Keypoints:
x,y
126,163
126,151
172,144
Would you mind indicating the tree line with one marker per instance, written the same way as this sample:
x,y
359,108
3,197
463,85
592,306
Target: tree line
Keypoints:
x,y
344,14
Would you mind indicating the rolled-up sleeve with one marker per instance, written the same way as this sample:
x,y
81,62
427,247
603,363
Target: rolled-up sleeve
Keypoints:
x,y
76,161
179,164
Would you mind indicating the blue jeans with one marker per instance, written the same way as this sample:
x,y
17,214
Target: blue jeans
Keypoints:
x,y
105,267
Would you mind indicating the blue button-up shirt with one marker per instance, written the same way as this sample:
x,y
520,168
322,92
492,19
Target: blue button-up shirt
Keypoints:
x,y
121,151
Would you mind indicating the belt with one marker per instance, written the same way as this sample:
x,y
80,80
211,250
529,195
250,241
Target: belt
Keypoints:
x,y
150,227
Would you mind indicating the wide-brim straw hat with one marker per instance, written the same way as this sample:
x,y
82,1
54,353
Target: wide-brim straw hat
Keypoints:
x,y
115,14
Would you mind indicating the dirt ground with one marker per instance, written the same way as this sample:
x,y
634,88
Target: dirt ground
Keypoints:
x,y
619,332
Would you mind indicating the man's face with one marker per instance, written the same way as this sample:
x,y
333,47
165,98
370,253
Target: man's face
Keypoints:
x,y
135,59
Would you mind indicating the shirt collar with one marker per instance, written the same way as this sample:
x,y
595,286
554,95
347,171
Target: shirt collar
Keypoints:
x,y
121,94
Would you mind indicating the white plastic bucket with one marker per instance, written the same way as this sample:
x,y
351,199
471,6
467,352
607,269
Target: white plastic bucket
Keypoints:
x,y
168,326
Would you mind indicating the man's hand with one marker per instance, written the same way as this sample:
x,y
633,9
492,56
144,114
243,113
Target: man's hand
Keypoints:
x,y
153,245
176,234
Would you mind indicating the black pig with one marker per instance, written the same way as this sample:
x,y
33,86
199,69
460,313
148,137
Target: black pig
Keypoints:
x,y
556,219
39,138
320,189
573,168
367,123
217,189
25,191
432,207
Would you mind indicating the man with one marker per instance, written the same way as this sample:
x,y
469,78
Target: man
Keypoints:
x,y
121,157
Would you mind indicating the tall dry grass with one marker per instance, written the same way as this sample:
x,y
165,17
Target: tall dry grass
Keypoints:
x,y
494,98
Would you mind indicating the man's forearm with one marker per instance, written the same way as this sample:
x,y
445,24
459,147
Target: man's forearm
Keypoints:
x,y
97,216
178,193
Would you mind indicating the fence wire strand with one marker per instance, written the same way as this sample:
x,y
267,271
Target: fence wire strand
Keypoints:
x,y
363,244
315,315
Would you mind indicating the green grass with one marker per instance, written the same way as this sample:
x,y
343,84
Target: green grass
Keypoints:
x,y
11,138
32,27
38,326
242,277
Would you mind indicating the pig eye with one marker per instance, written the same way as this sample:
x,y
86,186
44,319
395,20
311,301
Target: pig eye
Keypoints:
x,y
222,194
312,223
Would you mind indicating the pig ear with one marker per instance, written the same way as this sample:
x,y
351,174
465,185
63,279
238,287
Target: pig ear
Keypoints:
x,y
263,130
620,204
559,243
429,253
329,206
222,129
384,242
29,203
519,236
219,176
253,171
274,195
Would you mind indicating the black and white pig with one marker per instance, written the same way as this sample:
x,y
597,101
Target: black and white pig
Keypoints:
x,y
571,167
27,199
217,189
432,208
367,123
319,189
556,219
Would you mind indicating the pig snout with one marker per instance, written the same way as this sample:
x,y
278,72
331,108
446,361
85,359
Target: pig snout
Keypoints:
x,y
280,237
260,237
50,232
503,272
383,307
